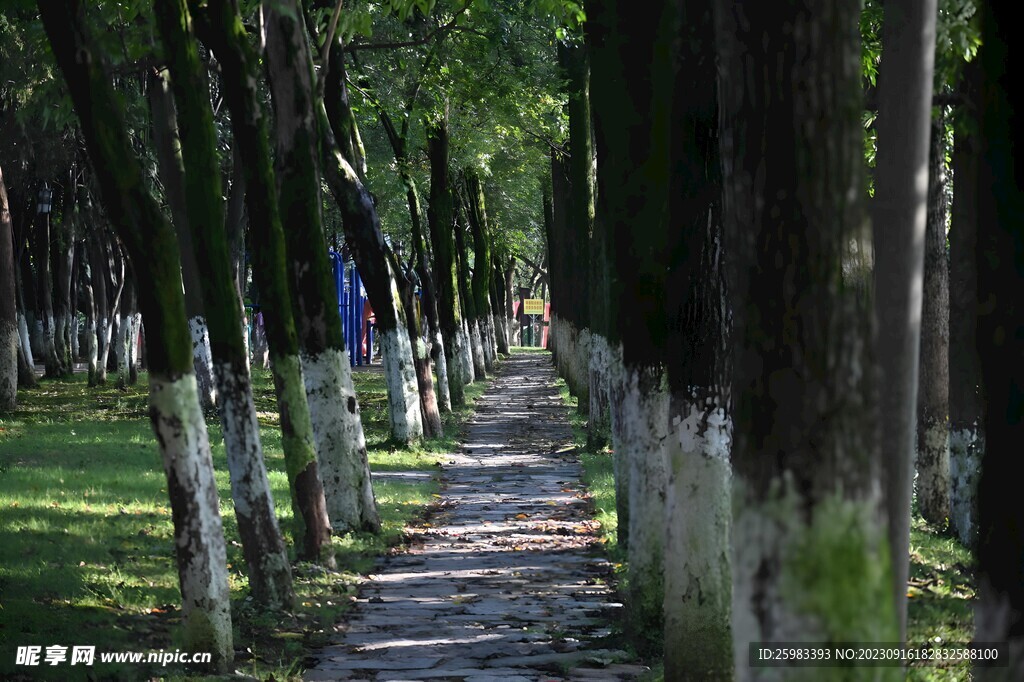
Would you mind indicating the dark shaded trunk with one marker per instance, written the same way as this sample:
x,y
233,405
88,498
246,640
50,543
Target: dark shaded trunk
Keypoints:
x,y
63,259
221,28
429,411
480,284
174,402
98,276
172,175
85,284
966,438
999,610
898,224
805,448
44,292
266,557
8,308
441,216
933,483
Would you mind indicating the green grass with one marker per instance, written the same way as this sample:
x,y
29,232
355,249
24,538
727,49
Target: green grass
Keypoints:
x,y
940,591
86,536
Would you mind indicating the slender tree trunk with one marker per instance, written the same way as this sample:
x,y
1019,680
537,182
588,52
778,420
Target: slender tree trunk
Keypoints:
x,y
63,259
121,345
468,298
999,609
172,175
966,438
806,502
333,406
8,308
174,401
270,575
98,263
221,28
91,341
44,289
898,220
441,216
432,427
480,284
26,363
933,481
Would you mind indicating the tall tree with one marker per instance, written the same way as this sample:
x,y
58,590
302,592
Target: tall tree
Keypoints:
x,y
270,577
441,216
220,27
898,223
174,401
805,456
631,87
8,309
966,438
933,482
341,446
480,283
999,611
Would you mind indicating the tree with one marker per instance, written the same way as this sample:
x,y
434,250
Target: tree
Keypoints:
x,y
174,401
898,222
480,283
999,612
220,27
270,577
341,446
8,309
933,482
809,552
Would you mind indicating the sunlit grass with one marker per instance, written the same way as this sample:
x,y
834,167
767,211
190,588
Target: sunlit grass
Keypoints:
x,y
86,543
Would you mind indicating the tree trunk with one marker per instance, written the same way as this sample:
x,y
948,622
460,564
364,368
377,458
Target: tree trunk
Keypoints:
x,y
441,216
174,401
63,259
98,276
221,28
8,308
121,345
270,577
698,510
966,438
44,290
478,369
898,220
172,175
933,482
432,427
806,501
91,341
480,284
332,401
999,609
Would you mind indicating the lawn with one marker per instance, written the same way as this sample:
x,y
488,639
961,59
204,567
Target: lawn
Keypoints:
x,y
86,548
940,590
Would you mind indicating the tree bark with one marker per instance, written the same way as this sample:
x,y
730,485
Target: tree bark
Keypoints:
x,y
441,217
966,438
270,577
999,610
172,175
63,260
480,284
332,401
933,482
8,308
221,28
174,401
898,221
44,291
806,500
467,296
91,340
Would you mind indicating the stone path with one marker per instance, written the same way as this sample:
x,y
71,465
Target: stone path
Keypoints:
x,y
505,585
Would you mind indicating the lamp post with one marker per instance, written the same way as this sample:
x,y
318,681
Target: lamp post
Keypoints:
x,y
45,199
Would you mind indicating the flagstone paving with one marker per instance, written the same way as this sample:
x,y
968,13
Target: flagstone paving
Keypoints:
x,y
506,583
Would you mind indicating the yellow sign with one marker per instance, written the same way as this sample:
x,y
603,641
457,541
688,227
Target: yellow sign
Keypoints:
x,y
533,306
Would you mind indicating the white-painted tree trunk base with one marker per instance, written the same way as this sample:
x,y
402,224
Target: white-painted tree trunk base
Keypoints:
x,y
933,477
203,361
26,342
341,444
91,348
966,447
444,395
133,344
645,402
790,585
598,370
479,366
199,538
103,334
466,355
403,391
698,511
250,486
50,347
38,343
121,349
76,328
994,619
8,362
620,465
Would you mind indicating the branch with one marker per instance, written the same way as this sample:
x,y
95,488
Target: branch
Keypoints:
x,y
325,51
352,47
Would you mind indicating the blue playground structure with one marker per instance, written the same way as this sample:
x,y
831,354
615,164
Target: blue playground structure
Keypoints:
x,y
352,304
